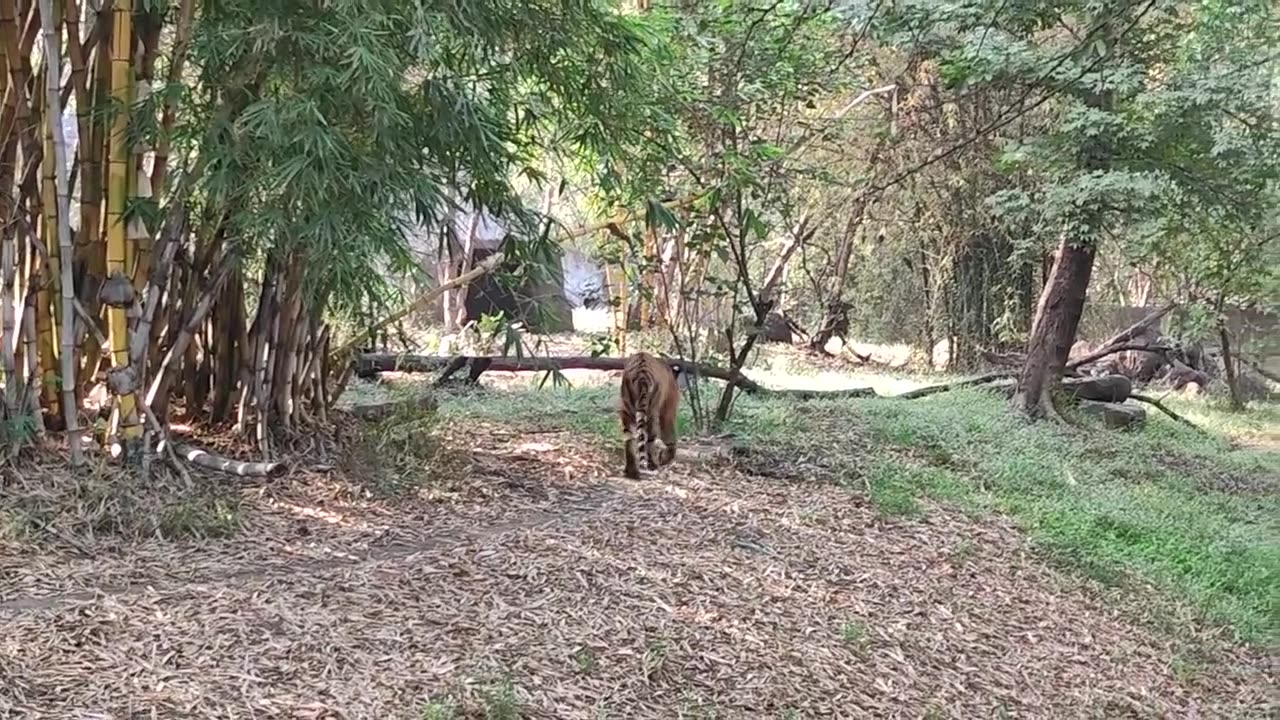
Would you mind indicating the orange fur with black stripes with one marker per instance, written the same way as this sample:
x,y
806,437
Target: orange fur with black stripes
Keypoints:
x,y
649,400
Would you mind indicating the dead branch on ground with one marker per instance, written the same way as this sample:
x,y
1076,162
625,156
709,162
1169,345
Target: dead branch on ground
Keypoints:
x,y
1161,407
928,390
201,458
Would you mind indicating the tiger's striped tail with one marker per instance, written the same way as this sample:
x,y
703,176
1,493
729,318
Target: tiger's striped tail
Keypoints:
x,y
644,388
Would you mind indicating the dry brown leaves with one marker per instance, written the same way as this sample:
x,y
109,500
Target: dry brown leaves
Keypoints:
x,y
698,592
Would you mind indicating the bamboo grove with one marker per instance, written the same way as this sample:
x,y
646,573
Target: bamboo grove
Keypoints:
x,y
229,176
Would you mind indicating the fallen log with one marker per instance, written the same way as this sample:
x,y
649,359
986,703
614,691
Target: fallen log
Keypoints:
x,y
1125,337
370,364
1258,368
203,459
822,394
928,390
1117,416
485,267
1139,327
1017,359
1115,349
1011,359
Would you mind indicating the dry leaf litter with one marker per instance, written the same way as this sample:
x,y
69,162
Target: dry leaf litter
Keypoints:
x,y
701,591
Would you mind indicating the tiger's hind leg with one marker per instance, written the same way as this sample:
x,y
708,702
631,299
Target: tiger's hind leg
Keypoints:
x,y
668,437
651,451
629,447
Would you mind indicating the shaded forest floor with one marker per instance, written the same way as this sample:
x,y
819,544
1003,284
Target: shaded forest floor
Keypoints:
x,y
823,559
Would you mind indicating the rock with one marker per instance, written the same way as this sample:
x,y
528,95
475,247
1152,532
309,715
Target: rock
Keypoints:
x,y
1253,388
380,411
776,328
1108,388
1116,416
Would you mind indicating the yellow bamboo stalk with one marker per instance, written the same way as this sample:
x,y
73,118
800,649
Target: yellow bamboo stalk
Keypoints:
x,y
120,156
46,321
90,242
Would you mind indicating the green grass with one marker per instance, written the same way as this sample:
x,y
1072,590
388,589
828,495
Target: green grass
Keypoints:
x,y
1179,510
854,634
1164,505
440,709
499,699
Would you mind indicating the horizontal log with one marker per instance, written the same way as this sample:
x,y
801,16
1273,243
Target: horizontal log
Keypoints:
x,y
1161,407
370,364
1155,349
928,390
1117,416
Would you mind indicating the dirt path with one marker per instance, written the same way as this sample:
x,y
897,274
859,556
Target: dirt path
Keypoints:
x,y
560,592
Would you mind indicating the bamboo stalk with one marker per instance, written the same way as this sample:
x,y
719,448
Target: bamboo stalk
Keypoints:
x,y
8,330
31,394
47,317
199,457
182,40
119,158
18,53
163,376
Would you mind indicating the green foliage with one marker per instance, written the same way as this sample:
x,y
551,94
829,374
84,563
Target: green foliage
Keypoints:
x,y
1211,134
324,127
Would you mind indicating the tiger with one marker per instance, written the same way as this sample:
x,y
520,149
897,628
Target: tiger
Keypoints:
x,y
649,399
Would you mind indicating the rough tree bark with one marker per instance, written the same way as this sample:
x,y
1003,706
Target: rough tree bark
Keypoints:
x,y
1229,365
1054,329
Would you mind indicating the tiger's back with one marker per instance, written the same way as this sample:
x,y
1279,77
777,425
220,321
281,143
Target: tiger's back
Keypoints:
x,y
649,398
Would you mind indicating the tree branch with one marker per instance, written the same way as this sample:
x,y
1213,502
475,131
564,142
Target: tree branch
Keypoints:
x,y
485,267
1161,407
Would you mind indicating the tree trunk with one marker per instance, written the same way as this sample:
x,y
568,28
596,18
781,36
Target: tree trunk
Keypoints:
x,y
1228,364
1054,329
776,277
464,267
834,307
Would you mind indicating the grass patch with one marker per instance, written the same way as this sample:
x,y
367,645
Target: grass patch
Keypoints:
x,y
585,660
854,634
590,410
1150,504
445,708
499,700
397,455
